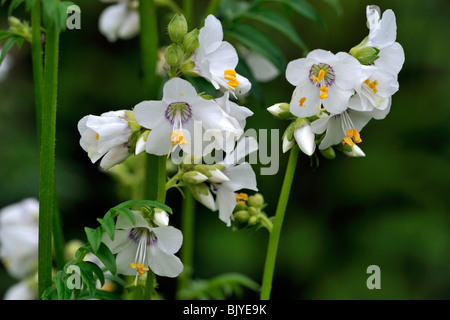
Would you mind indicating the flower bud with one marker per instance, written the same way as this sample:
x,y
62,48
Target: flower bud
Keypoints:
x,y
187,68
190,41
202,194
328,153
364,54
173,54
281,111
287,145
217,176
356,152
255,200
140,144
193,177
253,220
241,216
305,139
161,218
178,28
253,211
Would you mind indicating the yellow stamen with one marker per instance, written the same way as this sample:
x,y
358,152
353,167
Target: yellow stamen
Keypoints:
x,y
372,85
324,88
323,95
177,137
320,77
302,101
140,268
352,136
97,136
241,198
230,74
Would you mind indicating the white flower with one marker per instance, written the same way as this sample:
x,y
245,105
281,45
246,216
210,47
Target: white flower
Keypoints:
x,y
5,66
161,218
355,153
322,78
374,89
23,290
105,136
119,21
172,119
345,127
305,139
216,60
19,237
287,144
240,176
262,69
382,35
140,247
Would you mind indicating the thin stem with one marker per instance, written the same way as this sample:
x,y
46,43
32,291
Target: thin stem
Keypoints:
x,y
188,11
187,250
36,56
266,222
156,166
47,159
272,247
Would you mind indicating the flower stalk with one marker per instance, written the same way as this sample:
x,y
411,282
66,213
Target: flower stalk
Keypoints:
x,y
274,238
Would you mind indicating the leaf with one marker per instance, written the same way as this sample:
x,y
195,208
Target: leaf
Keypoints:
x,y
5,34
277,21
97,271
94,237
336,4
86,274
257,41
219,287
30,4
7,47
148,203
303,8
107,258
127,213
13,5
108,224
55,13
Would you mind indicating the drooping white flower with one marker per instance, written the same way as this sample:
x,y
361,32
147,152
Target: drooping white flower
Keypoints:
x,y
216,60
5,66
374,89
141,247
287,144
172,119
345,127
240,176
105,136
23,290
322,78
120,20
262,69
19,237
382,35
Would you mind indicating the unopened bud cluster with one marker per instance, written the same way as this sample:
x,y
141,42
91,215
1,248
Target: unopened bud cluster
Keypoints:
x,y
249,213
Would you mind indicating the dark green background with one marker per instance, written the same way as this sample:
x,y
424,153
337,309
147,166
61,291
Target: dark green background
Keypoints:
x,y
389,209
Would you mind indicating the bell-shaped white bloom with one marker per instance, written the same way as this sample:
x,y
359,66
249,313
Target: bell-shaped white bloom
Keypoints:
x,y
240,176
305,139
19,237
172,119
23,290
217,176
203,194
322,78
5,66
120,21
141,247
287,144
346,127
374,89
105,136
216,60
161,218
382,35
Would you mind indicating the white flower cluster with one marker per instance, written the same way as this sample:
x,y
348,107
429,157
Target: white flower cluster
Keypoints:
x,y
336,95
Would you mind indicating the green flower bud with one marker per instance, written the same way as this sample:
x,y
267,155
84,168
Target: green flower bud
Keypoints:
x,y
187,68
281,111
241,216
328,153
253,220
178,28
240,207
190,41
253,211
202,168
173,54
255,200
364,54
193,177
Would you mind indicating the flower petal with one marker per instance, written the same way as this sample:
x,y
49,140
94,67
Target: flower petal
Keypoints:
x,y
150,114
211,35
241,176
164,264
225,202
169,239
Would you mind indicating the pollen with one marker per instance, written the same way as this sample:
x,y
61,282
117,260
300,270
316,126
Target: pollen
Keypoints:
x,y
302,101
372,85
177,137
140,269
230,75
97,136
352,137
241,198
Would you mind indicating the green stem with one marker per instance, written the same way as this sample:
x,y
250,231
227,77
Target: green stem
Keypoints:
x,y
38,68
213,7
187,228
266,222
188,11
278,222
47,159
156,166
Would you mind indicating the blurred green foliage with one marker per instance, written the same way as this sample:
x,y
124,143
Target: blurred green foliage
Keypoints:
x,y
390,209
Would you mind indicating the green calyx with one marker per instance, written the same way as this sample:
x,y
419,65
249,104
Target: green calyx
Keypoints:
x,y
366,55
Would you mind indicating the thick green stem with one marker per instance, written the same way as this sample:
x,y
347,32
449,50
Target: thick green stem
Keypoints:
x,y
47,159
274,238
187,228
38,68
156,166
